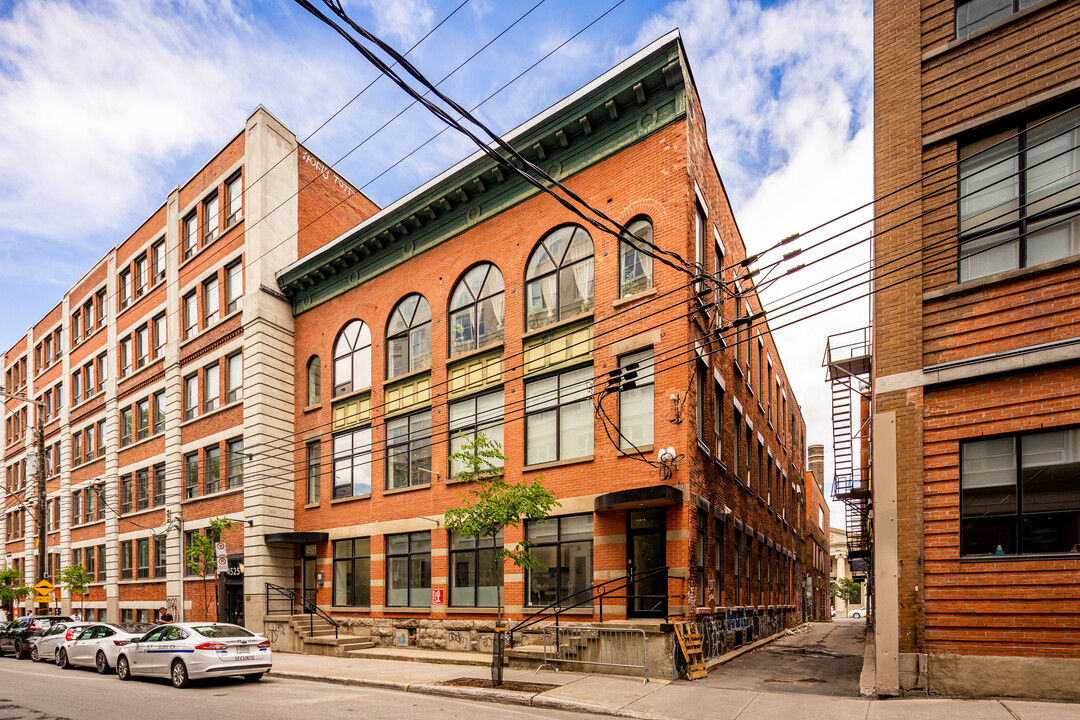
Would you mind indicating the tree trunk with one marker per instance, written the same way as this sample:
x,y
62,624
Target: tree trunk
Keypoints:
x,y
498,638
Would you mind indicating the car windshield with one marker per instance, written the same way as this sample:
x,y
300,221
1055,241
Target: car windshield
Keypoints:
x,y
136,628
222,631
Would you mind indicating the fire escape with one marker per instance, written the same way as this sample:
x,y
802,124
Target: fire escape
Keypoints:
x,y
847,361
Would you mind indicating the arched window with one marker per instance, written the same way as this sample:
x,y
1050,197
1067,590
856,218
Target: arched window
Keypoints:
x,y
635,266
476,310
314,381
408,337
352,358
559,277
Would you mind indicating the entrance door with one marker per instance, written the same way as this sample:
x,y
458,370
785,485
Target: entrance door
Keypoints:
x,y
646,549
309,580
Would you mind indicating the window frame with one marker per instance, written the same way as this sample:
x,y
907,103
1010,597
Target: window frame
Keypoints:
x,y
414,364
557,407
352,350
558,265
474,422
645,360
471,306
557,543
353,459
411,537
628,246
406,443
354,561
479,546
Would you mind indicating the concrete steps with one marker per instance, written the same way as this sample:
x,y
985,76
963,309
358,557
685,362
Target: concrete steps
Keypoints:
x,y
319,637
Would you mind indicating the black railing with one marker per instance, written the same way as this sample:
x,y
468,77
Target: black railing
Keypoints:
x,y
599,591
279,594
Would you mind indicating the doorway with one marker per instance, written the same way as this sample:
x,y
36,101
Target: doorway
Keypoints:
x,y
646,549
310,579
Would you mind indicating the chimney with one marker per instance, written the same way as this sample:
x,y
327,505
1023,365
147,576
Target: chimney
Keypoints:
x,y
817,464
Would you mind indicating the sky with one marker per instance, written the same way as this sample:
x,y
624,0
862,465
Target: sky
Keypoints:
x,y
107,106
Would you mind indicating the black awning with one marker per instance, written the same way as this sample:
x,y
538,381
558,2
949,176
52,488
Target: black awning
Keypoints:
x,y
295,538
654,496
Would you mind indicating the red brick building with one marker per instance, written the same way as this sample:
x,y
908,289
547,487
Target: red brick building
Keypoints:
x,y
156,375
817,581
477,303
976,502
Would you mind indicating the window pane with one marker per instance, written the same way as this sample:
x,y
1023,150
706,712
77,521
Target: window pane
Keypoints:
x,y
1051,533
983,536
420,580
576,430
1051,475
636,417
974,14
397,592
989,255
988,477
463,579
1053,159
1054,239
989,184
576,574
540,431
543,580
576,527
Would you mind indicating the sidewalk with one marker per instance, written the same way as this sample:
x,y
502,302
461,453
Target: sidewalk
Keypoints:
x,y
659,699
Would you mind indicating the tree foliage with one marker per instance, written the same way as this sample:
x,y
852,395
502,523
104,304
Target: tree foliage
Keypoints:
x,y
202,559
846,589
12,587
76,580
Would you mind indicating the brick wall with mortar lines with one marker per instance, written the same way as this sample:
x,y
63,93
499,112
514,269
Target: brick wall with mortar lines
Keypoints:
x,y
1021,606
328,204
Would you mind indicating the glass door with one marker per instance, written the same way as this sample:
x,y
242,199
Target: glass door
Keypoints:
x,y
646,549
310,576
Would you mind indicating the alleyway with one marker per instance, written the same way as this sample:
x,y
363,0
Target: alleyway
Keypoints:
x,y
826,660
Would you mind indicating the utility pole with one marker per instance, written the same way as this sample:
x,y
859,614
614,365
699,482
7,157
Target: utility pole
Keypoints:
x,y
36,463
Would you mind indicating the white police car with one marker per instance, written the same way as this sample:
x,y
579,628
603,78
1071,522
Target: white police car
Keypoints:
x,y
194,650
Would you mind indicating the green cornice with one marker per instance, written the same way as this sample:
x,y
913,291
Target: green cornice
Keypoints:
x,y
631,102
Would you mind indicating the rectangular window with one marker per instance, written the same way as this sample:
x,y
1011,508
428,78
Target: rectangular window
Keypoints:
x,y
235,476
352,572
102,575
125,357
211,302
761,373
564,547
1019,197
408,570
234,287
139,277
768,396
142,419
701,533
191,475
408,450
352,463
234,200
718,418
76,507
125,494
76,388
191,315
88,318
974,14
89,442
160,335
700,372
191,396
99,307
1020,495
760,471
314,473
234,378
125,560
718,561
100,432
635,262
76,327
158,425
190,234
699,246
160,557
211,387
212,467
211,226
559,417
159,484
142,489
483,413
475,575
125,427
142,558
102,371
157,262
636,402
124,288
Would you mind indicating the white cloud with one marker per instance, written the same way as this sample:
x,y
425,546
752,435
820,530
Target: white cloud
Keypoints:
x,y
787,93
406,20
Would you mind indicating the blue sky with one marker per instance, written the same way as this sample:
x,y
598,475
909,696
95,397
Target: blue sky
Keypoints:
x,y
106,106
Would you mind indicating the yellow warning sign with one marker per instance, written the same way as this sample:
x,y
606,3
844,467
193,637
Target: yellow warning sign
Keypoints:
x,y
44,587
43,599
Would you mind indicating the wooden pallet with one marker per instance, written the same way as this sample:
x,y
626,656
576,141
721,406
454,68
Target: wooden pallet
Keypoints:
x,y
690,644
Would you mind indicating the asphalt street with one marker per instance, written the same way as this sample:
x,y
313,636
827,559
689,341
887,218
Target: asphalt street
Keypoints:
x,y
826,660
42,691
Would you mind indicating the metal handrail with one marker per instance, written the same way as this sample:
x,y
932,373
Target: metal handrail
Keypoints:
x,y
311,608
559,608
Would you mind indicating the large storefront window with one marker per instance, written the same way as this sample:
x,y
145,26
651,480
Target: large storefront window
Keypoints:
x,y
564,546
475,576
1021,495
408,570
352,572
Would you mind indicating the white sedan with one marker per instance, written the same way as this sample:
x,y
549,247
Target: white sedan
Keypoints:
x,y
98,645
190,651
47,645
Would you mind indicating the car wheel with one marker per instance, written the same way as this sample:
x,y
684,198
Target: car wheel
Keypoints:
x,y
34,654
20,651
179,674
122,670
855,615
101,663
254,677
63,661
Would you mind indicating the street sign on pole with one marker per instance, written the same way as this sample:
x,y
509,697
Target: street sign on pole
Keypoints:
x,y
44,587
223,564
220,551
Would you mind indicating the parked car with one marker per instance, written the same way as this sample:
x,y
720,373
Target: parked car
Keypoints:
x,y
47,645
16,637
190,651
98,645
858,612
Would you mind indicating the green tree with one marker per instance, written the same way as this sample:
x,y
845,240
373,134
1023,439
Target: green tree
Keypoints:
x,y
846,589
494,504
75,580
202,560
12,589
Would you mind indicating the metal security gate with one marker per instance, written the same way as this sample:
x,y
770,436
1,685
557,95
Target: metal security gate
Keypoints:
x,y
607,647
